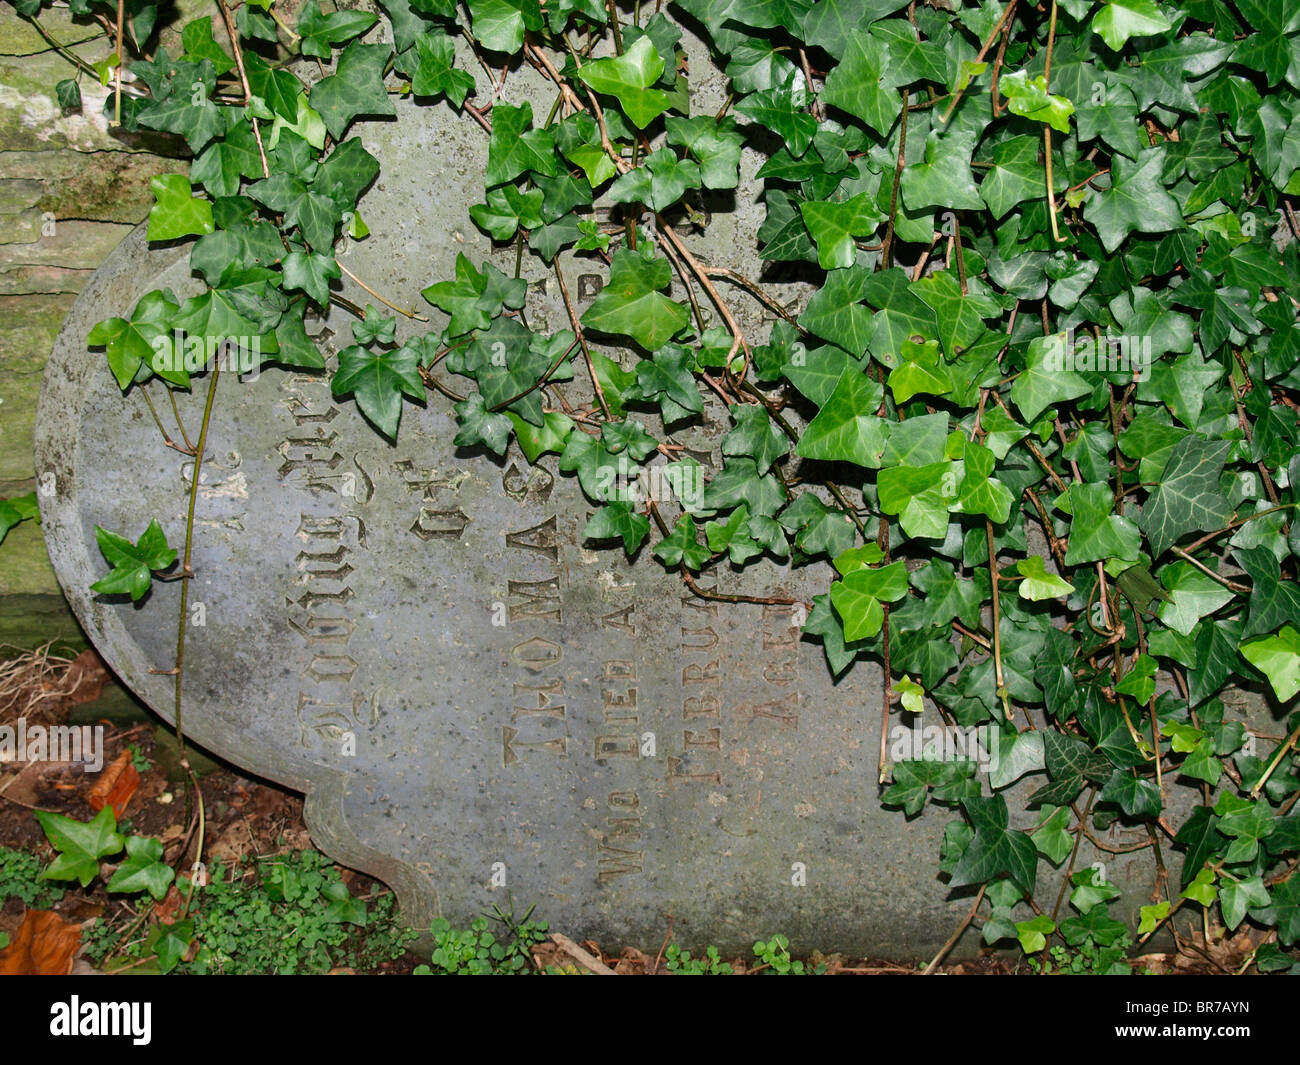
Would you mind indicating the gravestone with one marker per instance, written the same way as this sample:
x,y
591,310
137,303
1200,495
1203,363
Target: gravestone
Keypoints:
x,y
480,708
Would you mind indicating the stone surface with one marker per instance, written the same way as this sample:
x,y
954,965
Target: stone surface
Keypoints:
x,y
616,752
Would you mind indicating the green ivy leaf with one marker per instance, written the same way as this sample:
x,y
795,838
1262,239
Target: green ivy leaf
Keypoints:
x,y
377,380
80,844
632,304
847,429
177,212
1278,658
355,88
133,564
682,546
629,78
1038,584
1118,20
143,870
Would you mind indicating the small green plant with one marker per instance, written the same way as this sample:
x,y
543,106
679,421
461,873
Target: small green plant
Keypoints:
x,y
476,951
12,511
681,962
139,760
774,955
21,878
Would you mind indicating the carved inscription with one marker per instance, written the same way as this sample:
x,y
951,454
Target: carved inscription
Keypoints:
x,y
700,758
538,721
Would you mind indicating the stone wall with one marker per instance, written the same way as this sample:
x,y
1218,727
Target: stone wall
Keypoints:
x,y
69,192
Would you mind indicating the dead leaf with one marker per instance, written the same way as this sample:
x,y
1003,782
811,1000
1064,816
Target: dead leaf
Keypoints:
x,y
44,945
86,677
115,786
168,911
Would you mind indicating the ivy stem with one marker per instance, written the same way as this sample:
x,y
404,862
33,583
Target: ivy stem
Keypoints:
x,y
391,306
887,245
997,626
582,340
952,939
1005,20
1234,585
71,57
117,67
1274,761
187,570
180,424
238,51
1047,129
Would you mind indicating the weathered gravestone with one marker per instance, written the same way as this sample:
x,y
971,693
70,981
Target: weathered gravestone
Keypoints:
x,y
478,706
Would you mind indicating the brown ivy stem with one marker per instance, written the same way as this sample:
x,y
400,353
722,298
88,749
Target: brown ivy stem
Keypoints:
x,y
1054,541
887,245
582,340
887,693
391,306
614,24
431,381
957,934
1233,585
1074,851
180,424
716,596
538,383
1005,20
1278,755
1047,129
997,626
696,309
167,440
738,342
754,290
1245,428
997,69
238,52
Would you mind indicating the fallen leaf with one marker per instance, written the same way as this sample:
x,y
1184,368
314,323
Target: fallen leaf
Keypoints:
x,y
169,910
44,945
115,786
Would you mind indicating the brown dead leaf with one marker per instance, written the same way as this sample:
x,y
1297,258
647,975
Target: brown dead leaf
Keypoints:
x,y
86,677
169,909
43,946
115,786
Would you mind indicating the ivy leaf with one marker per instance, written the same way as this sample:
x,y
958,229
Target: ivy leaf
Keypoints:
x,y
1136,796
377,380
1273,601
1028,97
316,214
920,371
1189,498
320,33
629,78
1053,838
864,84
478,425
551,435
755,435
1278,658
1135,202
1037,583
1118,20
498,25
858,597
632,304
143,870
515,147
994,848
714,145
819,529
1096,532
1033,934
1201,838
508,210
833,226
355,88
133,564
944,179
131,345
732,537
618,519
311,273
847,429
1238,896
682,546
660,182
435,70
177,212
80,844
1047,377
1283,911
1192,595
1015,176
781,110
917,494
